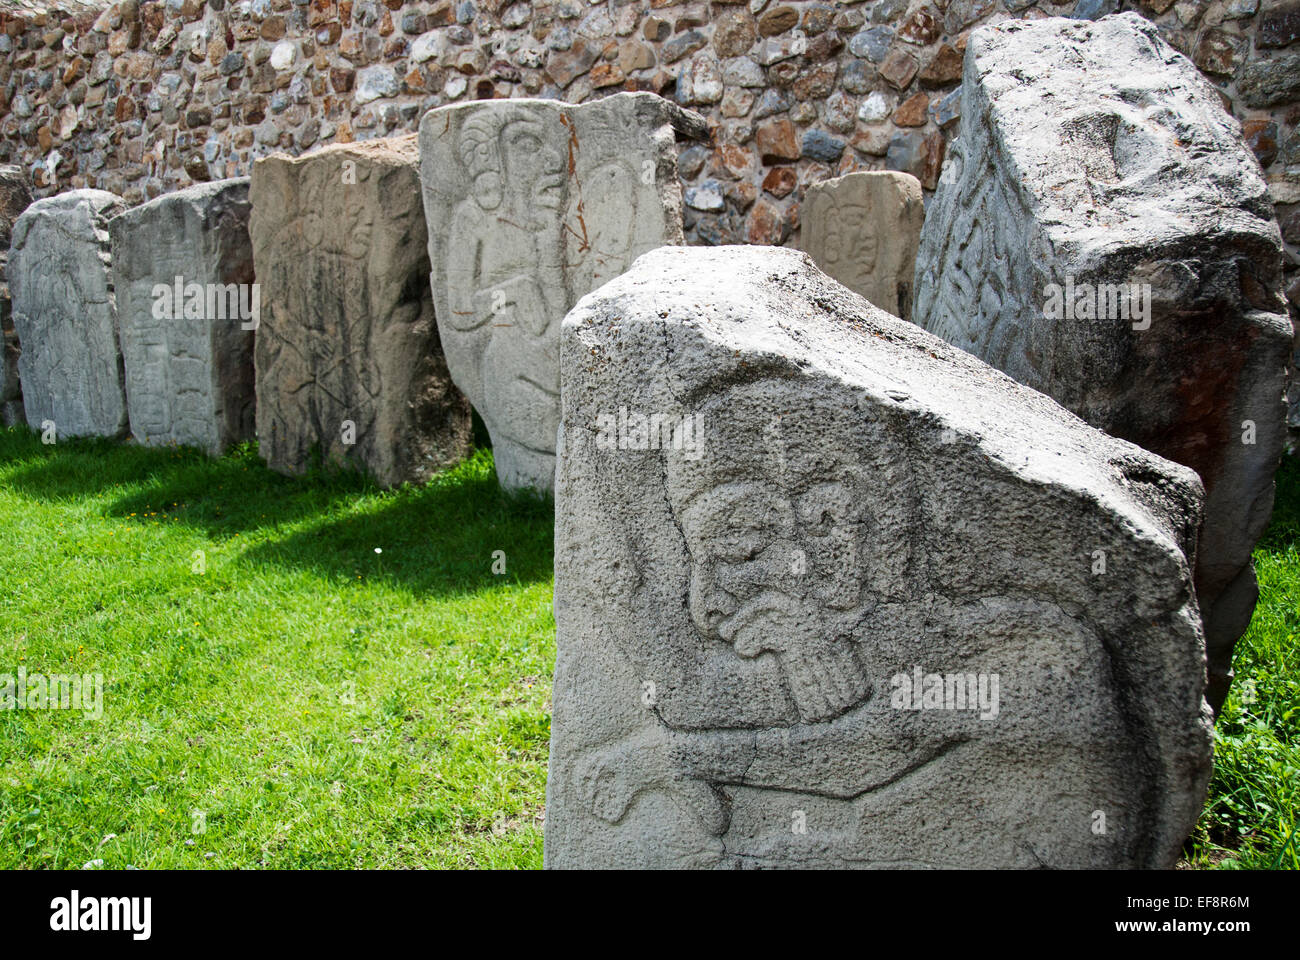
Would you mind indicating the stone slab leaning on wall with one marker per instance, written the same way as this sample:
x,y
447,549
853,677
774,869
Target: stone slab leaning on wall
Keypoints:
x,y
1095,167
530,205
183,274
863,230
776,506
15,197
347,355
65,315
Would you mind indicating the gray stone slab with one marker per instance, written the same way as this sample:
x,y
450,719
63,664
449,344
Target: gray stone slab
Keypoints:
x,y
187,306
863,230
530,205
1096,162
65,317
742,608
347,356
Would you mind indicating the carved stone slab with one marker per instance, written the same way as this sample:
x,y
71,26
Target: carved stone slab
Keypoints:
x,y
1101,233
186,305
750,611
15,197
531,204
347,356
863,230
65,317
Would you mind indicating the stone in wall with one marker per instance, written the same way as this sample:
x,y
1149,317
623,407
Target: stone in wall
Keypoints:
x,y
785,520
187,306
347,358
1102,234
530,205
65,317
863,230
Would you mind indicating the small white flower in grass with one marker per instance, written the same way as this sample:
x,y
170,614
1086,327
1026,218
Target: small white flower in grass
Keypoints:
x,y
379,549
92,864
108,837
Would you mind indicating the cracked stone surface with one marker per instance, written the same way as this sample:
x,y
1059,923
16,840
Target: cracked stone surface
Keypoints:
x,y
736,604
1094,155
347,356
65,315
530,205
188,361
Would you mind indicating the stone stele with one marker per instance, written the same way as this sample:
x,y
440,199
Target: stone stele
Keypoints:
x,y
776,507
15,197
183,275
347,357
863,230
1101,233
530,205
65,317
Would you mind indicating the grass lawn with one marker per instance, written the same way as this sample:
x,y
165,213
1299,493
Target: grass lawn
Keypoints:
x,y
347,683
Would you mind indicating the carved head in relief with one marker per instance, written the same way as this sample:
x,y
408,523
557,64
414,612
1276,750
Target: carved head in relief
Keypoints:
x,y
775,526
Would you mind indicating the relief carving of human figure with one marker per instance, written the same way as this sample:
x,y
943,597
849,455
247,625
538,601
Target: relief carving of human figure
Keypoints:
x,y
506,279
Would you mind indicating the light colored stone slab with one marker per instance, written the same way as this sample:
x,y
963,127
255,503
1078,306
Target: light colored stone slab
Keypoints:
x,y
863,230
348,346
188,348
530,205
1093,154
65,317
864,501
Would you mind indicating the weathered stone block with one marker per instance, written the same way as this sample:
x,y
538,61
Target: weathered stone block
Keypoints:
x,y
65,316
863,230
776,506
531,204
347,357
15,197
187,306
1102,234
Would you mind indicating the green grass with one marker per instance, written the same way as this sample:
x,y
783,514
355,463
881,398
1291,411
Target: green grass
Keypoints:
x,y
323,704
327,706
1250,817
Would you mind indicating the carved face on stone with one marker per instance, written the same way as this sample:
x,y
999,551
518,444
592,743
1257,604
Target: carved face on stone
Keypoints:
x,y
533,167
775,553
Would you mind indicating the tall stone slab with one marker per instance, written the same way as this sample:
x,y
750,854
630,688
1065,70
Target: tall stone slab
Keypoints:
x,y
187,306
827,594
15,197
1101,233
530,205
863,230
347,356
65,316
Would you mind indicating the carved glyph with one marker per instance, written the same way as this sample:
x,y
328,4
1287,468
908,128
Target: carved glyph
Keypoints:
x,y
348,359
65,315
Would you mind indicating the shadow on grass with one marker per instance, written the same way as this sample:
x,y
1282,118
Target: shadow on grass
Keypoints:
x,y
436,538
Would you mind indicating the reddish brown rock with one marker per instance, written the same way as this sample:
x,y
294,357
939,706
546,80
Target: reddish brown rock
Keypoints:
x,y
777,141
911,112
780,181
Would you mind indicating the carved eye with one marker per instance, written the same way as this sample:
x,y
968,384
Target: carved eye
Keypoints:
x,y
528,143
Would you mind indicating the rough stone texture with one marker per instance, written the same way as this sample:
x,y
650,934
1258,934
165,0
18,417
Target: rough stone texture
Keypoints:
x,y
189,378
65,317
1093,151
143,97
867,500
531,204
863,229
15,197
347,332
